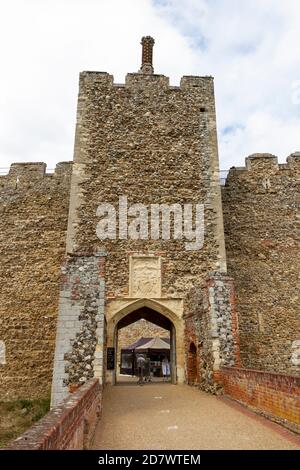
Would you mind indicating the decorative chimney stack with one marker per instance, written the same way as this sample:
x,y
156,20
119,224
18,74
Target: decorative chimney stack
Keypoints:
x,y
147,55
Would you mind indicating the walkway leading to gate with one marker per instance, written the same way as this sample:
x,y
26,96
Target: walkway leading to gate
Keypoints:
x,y
165,417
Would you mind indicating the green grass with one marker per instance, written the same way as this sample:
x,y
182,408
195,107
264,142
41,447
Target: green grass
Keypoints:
x,y
18,415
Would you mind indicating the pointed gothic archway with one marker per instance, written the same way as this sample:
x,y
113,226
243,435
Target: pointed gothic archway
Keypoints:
x,y
151,316
155,312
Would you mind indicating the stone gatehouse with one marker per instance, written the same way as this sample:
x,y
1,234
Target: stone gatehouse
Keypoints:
x,y
66,294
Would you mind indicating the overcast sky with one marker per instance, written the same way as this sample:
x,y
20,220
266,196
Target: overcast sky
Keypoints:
x,y
251,47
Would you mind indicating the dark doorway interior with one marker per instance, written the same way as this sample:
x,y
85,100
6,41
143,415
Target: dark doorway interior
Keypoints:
x,y
192,364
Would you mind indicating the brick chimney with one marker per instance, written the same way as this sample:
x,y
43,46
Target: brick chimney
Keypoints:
x,y
147,55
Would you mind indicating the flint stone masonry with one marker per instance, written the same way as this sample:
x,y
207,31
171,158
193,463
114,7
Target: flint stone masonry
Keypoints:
x,y
80,326
261,204
224,328
155,144
152,143
33,223
211,324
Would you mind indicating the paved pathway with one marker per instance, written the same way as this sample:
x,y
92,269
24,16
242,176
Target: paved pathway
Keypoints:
x,y
166,417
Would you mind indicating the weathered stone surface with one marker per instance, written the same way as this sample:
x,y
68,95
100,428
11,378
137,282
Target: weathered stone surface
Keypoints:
x,y
261,206
33,224
80,325
211,331
151,143
154,144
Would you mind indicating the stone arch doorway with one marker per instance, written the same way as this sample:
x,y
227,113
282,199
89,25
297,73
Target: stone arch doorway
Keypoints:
x,y
158,319
192,366
168,312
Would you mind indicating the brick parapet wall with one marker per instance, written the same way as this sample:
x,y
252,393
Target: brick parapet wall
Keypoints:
x,y
70,425
277,396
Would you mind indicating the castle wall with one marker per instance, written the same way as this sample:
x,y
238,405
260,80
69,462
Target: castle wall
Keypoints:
x,y
211,331
155,144
33,223
261,204
80,335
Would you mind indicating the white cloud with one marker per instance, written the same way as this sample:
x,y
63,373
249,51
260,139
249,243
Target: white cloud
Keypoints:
x,y
47,44
262,133
251,48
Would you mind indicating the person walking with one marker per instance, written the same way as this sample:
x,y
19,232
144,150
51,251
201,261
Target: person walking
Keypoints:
x,y
141,363
165,369
147,370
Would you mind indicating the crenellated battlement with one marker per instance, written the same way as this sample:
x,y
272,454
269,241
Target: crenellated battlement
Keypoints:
x,y
145,77
34,175
261,161
265,164
30,171
293,160
140,81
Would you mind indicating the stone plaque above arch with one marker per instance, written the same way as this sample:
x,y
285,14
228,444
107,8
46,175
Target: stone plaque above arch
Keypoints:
x,y
144,276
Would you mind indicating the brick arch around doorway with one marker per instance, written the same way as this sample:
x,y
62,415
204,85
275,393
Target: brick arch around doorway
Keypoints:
x,y
154,312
